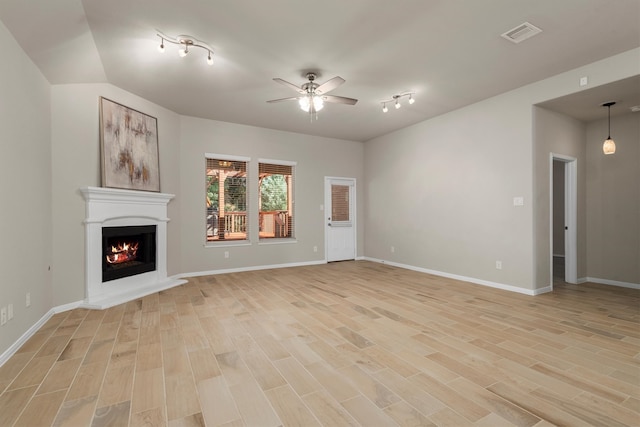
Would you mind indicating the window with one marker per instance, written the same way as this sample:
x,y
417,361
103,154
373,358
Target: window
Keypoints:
x,y
226,197
275,199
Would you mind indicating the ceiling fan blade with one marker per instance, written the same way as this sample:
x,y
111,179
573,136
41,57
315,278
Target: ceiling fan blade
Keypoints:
x,y
291,85
329,85
295,98
339,99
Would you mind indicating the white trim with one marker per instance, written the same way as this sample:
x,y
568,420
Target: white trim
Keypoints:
x,y
278,162
502,286
227,243
243,269
613,283
13,348
102,302
276,241
213,156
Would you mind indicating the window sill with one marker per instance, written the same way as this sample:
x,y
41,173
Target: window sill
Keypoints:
x,y
227,244
276,241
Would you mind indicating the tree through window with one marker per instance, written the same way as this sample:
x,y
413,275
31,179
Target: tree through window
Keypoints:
x,y
275,189
226,200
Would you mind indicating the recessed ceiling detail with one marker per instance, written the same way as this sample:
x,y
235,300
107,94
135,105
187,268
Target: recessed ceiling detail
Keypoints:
x,y
521,32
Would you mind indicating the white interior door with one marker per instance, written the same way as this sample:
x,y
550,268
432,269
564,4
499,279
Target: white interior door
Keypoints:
x,y
340,226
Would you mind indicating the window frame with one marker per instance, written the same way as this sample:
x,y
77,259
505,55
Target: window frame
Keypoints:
x,y
279,240
248,212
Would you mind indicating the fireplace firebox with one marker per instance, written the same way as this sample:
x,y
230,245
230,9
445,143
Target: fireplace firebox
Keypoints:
x,y
127,251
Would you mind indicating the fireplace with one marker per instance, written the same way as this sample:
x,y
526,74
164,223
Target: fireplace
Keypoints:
x,y
127,251
125,245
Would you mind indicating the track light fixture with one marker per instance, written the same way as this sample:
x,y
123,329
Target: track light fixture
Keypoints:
x,y
609,146
185,42
396,100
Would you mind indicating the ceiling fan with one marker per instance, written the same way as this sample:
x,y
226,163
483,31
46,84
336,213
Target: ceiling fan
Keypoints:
x,y
312,95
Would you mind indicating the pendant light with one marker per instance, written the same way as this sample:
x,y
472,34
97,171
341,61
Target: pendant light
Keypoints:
x,y
609,146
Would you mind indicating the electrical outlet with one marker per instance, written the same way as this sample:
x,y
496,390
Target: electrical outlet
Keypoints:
x,y
315,249
226,254
3,316
28,300
584,81
10,312
499,265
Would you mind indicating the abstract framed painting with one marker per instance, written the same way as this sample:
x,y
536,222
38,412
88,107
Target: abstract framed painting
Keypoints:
x,y
129,143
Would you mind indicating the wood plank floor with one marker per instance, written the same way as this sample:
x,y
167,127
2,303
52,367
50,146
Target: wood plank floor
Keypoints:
x,y
351,343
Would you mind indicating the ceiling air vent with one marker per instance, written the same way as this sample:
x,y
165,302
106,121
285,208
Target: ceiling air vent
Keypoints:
x,y
521,32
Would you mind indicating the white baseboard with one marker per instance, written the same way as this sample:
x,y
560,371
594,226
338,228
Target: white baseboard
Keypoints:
x,y
613,283
466,279
242,269
83,304
34,328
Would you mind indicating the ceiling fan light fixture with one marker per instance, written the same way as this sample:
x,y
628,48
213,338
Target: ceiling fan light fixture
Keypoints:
x,y
304,104
312,96
318,103
609,146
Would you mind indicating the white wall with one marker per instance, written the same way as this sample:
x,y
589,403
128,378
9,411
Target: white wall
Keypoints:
x,y
75,143
25,190
441,191
613,201
316,158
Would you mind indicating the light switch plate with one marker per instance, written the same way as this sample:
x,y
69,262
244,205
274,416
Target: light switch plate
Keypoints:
x,y
518,201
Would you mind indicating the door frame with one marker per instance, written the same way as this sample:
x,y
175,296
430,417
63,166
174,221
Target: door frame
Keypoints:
x,y
326,211
570,217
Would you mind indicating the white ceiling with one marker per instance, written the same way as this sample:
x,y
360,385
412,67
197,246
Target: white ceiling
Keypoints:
x,y
449,52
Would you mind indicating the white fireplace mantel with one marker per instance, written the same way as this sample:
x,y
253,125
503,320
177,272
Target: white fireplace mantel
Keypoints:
x,y
109,207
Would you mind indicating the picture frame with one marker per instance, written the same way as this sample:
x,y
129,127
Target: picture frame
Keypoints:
x,y
129,148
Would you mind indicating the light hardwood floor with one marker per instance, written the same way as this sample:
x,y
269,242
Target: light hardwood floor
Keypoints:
x,y
351,343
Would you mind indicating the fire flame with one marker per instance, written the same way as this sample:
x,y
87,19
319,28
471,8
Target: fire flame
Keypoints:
x,y
122,253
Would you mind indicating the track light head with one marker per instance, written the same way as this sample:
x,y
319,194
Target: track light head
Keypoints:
x,y
411,100
161,47
384,107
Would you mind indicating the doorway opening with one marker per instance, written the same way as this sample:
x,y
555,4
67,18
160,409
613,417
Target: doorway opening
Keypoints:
x,y
563,219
